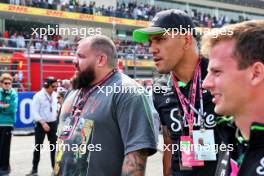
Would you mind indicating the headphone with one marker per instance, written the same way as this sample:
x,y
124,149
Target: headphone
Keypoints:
x,y
49,81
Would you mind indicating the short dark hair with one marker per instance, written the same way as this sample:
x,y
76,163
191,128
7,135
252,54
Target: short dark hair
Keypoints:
x,y
250,47
104,44
49,81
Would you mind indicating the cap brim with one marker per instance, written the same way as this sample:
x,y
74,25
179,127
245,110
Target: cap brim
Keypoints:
x,y
142,35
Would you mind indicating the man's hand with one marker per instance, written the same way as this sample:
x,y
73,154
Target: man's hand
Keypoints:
x,y
45,127
135,163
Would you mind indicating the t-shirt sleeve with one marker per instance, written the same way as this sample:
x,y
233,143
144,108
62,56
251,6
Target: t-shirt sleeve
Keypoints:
x,y
157,102
135,121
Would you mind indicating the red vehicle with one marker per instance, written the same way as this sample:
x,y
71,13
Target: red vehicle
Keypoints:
x,y
34,67
32,70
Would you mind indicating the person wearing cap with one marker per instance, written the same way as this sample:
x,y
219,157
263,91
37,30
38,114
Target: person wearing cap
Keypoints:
x,y
184,107
44,111
236,81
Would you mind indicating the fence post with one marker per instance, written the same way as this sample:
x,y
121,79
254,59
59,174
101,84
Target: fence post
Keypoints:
x,y
28,66
41,63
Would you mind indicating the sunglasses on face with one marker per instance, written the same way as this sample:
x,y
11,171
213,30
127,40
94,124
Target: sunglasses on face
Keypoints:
x,y
7,83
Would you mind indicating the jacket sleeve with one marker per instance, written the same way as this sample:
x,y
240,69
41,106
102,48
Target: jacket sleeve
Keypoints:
x,y
12,104
1,101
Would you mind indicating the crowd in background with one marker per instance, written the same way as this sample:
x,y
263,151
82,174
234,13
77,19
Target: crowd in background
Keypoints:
x,y
54,44
131,10
49,43
251,3
58,45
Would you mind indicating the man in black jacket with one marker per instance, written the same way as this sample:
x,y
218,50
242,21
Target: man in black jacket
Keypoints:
x,y
185,109
236,81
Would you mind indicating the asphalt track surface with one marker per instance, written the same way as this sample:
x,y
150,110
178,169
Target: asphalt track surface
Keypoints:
x,y
22,154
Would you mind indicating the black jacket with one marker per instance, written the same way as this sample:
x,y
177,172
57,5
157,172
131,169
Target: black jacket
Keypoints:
x,y
170,111
251,152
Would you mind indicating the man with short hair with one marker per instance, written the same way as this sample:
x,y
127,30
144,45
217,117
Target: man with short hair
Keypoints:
x,y
44,111
8,108
103,131
236,81
185,109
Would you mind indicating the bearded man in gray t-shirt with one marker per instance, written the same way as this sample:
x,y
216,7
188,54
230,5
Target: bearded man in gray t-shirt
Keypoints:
x,y
106,123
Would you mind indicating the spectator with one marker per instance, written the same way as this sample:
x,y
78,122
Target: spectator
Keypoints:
x,y
115,124
8,108
66,84
16,2
20,41
60,97
44,111
236,80
13,40
29,3
6,36
17,85
178,55
50,4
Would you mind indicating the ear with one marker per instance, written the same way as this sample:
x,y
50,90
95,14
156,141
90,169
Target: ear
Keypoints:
x,y
257,73
188,41
102,60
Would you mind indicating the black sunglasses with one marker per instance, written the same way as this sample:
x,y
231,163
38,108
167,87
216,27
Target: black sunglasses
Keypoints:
x,y
6,83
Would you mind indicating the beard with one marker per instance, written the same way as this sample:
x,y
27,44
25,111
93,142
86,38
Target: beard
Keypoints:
x,y
83,79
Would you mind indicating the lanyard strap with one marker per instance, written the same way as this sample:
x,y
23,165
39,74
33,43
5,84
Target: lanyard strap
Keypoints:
x,y
201,113
86,93
192,95
49,99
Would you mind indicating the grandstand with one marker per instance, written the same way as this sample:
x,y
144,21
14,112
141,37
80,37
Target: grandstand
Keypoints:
x,y
114,18
251,3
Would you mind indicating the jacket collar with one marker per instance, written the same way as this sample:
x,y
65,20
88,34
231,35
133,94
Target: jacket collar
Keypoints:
x,y
256,134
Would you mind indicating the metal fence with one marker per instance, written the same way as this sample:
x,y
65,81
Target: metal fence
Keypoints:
x,y
22,70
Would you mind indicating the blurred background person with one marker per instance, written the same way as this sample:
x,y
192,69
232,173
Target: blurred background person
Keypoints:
x,y
44,111
16,84
60,97
8,108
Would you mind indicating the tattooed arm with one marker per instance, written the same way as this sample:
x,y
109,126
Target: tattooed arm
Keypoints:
x,y
135,163
167,151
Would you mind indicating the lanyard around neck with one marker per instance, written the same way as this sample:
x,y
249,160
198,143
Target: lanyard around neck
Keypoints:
x,y
86,93
185,102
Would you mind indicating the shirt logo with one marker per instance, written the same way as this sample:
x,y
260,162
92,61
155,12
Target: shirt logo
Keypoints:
x,y
260,169
176,125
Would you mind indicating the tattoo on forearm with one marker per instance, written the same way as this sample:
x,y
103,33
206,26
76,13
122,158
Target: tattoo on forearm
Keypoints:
x,y
135,163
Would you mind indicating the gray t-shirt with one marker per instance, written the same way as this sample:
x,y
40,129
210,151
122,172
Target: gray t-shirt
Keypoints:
x,y
111,124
